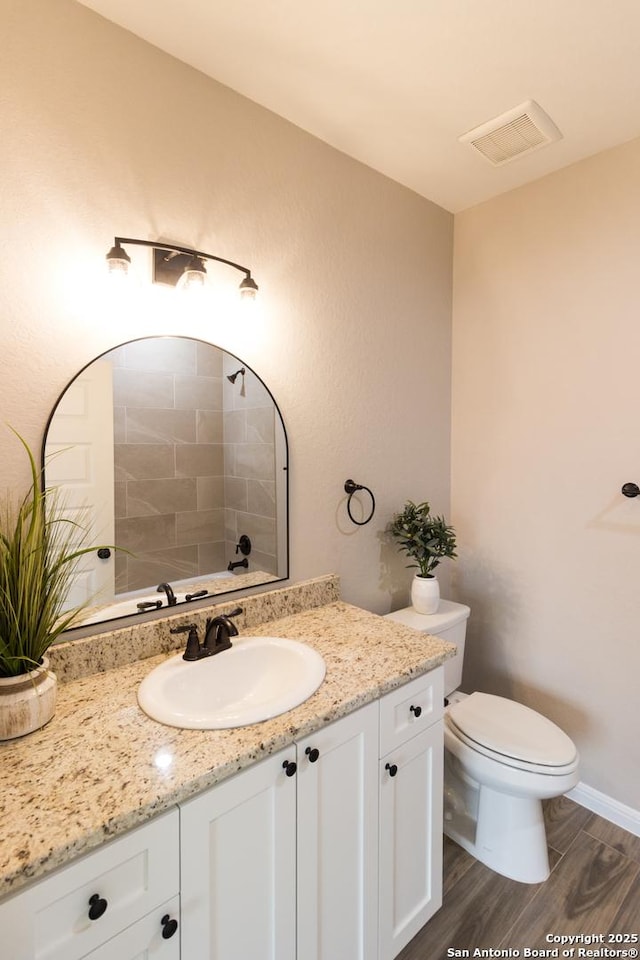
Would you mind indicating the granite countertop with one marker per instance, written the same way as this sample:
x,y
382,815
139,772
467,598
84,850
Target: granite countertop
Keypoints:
x,y
101,766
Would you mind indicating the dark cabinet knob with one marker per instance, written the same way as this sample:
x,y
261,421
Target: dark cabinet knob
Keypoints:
x,y
97,906
104,553
392,768
312,753
416,711
631,490
289,767
169,927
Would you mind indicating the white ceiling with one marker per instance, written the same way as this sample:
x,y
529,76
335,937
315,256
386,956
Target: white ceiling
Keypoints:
x,y
394,83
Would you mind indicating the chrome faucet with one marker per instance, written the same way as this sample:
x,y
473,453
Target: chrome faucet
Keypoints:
x,y
167,588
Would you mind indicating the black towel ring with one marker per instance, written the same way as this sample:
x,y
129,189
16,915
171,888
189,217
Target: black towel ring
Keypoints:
x,y
351,487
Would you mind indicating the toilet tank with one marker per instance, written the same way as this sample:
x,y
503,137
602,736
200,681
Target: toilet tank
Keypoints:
x,y
449,623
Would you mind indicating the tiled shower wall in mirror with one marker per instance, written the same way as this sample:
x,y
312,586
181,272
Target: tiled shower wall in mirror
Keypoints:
x,y
249,467
174,466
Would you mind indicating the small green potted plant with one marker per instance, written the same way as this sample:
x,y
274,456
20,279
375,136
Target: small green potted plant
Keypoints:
x,y
427,539
39,551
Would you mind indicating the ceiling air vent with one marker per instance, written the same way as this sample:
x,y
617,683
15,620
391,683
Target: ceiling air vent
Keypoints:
x,y
514,134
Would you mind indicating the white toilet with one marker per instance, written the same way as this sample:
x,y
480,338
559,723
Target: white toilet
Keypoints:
x,y
501,760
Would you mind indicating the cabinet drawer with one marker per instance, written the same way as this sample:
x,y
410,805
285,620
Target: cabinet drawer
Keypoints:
x,y
398,721
144,940
132,875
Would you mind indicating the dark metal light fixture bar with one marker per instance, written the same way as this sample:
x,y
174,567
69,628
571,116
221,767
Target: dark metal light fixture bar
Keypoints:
x,y
173,264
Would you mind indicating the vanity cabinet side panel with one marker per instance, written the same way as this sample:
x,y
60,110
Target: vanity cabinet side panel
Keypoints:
x,y
238,866
338,839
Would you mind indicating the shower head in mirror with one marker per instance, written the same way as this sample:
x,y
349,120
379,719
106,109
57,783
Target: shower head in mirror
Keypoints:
x,y
232,377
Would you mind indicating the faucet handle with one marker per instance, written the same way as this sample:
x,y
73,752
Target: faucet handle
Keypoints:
x,y
193,650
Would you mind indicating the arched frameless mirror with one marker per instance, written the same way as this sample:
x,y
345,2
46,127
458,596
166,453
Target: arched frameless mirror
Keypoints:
x,y
176,452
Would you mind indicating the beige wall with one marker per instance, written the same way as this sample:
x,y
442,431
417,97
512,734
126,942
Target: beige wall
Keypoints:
x,y
104,135
101,135
546,429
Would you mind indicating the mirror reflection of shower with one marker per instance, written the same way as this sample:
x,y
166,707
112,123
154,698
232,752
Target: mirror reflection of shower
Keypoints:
x,y
220,473
232,377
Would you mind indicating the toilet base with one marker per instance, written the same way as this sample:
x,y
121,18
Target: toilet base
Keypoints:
x,y
505,832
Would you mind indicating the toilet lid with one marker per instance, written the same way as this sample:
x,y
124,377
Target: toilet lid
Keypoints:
x,y
511,730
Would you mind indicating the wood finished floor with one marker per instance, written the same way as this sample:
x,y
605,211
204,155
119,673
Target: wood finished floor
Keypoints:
x,y
594,888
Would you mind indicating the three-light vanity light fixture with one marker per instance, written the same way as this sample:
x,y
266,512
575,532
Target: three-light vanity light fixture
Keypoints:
x,y
180,267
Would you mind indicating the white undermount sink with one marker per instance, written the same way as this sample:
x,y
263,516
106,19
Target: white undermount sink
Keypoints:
x,y
258,678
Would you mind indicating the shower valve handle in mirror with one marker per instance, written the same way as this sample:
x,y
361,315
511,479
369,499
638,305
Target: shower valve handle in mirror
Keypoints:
x,y
631,490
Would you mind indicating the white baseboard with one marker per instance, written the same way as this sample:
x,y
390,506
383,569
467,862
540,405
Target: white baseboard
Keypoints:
x,y
607,807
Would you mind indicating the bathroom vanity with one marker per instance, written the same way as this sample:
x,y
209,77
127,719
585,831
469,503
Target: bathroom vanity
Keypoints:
x,y
316,834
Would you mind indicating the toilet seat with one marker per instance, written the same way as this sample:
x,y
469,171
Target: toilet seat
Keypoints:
x,y
512,734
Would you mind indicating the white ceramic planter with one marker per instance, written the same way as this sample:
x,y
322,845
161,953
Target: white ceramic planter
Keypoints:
x,y
27,702
425,594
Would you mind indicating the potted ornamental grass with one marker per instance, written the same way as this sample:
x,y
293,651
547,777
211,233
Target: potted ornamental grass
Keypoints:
x,y
40,547
427,539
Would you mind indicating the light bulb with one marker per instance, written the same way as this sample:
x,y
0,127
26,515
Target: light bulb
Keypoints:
x,y
194,276
118,261
248,289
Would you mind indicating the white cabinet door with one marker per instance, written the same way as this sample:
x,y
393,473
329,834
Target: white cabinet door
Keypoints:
x,y
337,839
155,937
239,853
410,838
238,866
